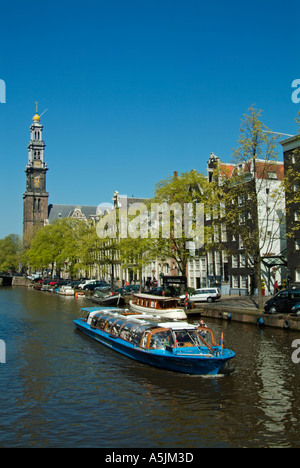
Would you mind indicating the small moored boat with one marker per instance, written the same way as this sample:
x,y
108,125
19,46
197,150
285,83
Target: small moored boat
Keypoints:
x,y
175,346
109,300
66,291
157,305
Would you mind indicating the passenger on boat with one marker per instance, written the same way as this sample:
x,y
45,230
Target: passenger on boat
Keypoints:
x,y
145,338
202,333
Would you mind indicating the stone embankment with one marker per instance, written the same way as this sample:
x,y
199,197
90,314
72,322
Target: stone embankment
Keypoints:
x,y
244,309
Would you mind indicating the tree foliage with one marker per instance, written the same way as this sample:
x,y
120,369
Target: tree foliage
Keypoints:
x,y
182,197
250,202
10,253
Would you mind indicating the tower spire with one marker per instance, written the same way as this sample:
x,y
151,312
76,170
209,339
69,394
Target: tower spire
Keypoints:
x,y
35,213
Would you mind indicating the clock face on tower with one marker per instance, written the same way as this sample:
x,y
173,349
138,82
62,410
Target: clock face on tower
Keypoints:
x,y
36,182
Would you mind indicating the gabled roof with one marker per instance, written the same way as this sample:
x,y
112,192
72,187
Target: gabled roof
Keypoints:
x,y
87,212
264,169
70,211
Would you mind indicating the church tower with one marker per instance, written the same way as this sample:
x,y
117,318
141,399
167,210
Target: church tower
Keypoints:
x,y
35,212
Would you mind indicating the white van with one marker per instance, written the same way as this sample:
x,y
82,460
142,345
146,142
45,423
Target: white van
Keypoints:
x,y
204,295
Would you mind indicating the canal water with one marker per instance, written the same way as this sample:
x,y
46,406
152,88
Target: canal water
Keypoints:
x,y
59,388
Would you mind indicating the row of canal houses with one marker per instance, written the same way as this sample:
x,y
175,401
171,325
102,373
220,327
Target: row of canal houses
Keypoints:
x,y
231,272
280,247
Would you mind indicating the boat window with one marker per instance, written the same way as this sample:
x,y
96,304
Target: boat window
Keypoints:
x,y
102,321
187,338
125,333
94,320
109,324
161,339
116,327
207,335
152,304
137,334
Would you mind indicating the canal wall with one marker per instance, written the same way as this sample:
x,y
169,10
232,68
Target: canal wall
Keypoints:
x,y
245,312
20,281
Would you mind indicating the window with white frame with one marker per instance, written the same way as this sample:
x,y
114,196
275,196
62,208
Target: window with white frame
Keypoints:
x,y
244,282
210,263
223,233
235,261
218,263
242,260
235,281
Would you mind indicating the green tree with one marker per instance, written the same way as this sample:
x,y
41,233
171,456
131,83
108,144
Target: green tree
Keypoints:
x,y
250,199
182,230
292,191
10,253
46,247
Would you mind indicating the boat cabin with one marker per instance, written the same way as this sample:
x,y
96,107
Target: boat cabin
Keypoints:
x,y
154,302
151,335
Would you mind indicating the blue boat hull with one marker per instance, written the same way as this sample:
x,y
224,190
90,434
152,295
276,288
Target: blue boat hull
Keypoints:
x,y
164,359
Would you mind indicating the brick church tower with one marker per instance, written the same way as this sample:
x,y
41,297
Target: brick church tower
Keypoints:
x,y
35,212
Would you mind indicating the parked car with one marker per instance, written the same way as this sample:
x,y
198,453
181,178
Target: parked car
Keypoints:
x,y
283,302
203,295
92,285
75,284
84,283
131,288
34,276
158,291
53,283
296,309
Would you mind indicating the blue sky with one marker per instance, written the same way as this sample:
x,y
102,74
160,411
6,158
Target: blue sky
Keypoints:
x,y
137,89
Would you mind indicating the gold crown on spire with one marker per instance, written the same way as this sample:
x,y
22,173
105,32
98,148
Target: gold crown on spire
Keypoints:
x,y
36,117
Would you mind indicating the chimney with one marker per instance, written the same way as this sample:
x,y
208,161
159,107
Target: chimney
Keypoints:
x,y
175,175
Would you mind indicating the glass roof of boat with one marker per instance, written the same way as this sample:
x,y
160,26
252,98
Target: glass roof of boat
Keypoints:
x,y
126,323
115,315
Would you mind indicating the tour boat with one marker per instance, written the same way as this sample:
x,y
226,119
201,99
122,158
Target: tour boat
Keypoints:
x,y
175,346
165,307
